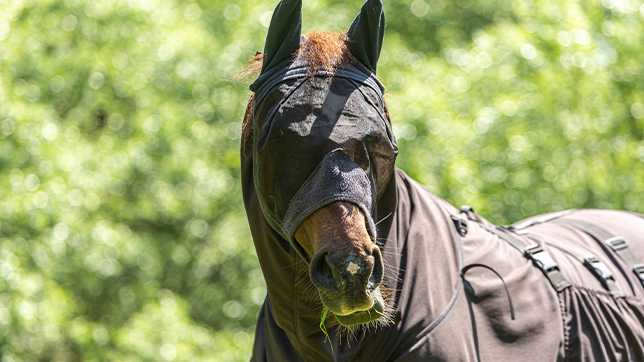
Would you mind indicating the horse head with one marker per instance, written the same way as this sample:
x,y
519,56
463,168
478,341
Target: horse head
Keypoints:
x,y
324,153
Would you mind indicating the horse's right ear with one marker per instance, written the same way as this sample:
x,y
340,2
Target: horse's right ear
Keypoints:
x,y
283,38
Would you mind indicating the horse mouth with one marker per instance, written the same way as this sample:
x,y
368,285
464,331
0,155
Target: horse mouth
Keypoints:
x,y
376,312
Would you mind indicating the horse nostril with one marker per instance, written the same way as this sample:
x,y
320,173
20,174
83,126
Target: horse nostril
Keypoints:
x,y
321,273
378,269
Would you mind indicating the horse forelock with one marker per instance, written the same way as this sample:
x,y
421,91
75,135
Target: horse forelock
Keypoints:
x,y
321,49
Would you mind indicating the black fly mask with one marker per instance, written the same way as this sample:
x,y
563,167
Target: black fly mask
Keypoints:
x,y
320,136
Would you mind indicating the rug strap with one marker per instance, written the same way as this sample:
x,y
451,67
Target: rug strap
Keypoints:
x,y
539,257
593,264
618,244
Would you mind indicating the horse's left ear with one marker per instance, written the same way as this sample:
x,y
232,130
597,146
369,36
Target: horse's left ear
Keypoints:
x,y
367,33
283,38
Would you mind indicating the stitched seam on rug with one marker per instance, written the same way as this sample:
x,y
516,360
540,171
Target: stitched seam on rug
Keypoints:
x,y
594,292
566,330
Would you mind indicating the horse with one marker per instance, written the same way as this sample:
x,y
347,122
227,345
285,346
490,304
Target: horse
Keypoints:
x,y
362,263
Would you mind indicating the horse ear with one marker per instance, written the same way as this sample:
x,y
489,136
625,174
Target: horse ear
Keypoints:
x,y
367,33
283,38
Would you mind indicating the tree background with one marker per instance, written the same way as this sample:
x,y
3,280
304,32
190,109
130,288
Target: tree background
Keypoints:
x,y
122,230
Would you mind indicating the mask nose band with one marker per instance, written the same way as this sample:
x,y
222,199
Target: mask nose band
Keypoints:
x,y
337,178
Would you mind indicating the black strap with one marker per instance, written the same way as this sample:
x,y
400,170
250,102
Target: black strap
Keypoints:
x,y
599,269
470,266
460,224
618,243
539,257
516,243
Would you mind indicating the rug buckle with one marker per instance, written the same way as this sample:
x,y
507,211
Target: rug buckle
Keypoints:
x,y
639,270
541,258
617,243
598,268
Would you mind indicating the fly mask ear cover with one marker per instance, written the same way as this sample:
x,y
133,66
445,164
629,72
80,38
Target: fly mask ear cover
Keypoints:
x,y
318,138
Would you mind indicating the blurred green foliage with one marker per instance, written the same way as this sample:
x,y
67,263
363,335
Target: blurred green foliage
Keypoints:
x,y
122,230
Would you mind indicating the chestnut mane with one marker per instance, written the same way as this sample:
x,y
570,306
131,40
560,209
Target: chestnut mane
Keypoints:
x,y
323,49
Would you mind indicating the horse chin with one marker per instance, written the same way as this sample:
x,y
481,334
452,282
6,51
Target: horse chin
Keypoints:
x,y
376,312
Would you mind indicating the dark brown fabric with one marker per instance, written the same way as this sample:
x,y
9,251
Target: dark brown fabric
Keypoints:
x,y
598,327
602,328
584,323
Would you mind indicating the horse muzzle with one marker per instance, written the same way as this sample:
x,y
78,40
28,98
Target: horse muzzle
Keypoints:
x,y
349,283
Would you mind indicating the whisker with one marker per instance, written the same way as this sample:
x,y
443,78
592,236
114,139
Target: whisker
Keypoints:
x,y
297,282
312,296
384,218
298,260
389,252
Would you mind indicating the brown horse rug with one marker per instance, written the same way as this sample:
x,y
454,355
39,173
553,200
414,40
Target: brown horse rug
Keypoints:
x,y
443,317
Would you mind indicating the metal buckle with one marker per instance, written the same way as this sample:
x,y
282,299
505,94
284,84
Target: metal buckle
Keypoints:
x,y
617,243
541,258
598,268
639,270
460,224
